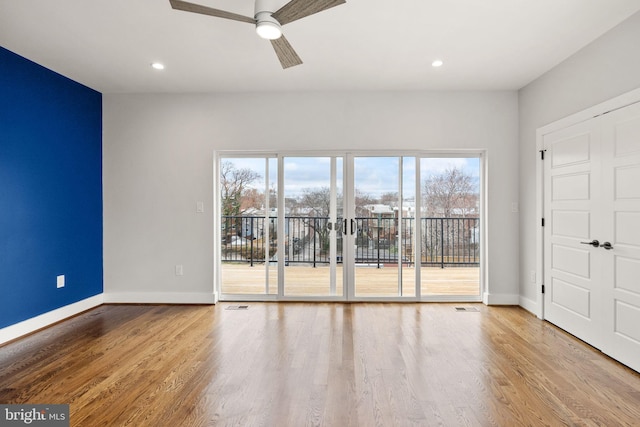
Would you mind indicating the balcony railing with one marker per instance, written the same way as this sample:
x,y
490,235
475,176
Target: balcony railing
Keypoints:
x,y
446,242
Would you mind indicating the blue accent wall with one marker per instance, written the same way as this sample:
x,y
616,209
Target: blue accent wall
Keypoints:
x,y
50,190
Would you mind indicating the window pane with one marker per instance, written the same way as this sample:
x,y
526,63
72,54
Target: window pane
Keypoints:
x,y
450,226
248,202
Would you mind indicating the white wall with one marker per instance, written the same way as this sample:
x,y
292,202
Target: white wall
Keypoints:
x,y
158,162
608,67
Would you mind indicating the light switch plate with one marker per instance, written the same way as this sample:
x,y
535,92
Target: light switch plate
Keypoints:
x,y
60,281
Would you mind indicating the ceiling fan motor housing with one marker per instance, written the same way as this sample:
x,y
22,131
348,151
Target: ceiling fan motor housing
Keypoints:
x,y
267,26
265,6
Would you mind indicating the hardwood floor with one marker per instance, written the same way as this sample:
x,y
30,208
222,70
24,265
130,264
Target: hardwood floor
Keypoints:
x,y
331,364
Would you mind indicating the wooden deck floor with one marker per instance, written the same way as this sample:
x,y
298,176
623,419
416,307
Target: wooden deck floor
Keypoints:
x,y
303,280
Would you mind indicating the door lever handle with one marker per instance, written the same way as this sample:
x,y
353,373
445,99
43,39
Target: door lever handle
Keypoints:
x,y
607,246
594,243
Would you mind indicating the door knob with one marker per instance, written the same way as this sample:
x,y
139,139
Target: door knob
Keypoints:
x,y
607,246
594,243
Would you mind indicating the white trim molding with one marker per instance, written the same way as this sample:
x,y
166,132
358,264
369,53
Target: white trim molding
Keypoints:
x,y
159,298
500,299
529,305
28,326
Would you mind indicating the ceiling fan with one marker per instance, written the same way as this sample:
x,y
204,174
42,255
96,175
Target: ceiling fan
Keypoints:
x,y
268,23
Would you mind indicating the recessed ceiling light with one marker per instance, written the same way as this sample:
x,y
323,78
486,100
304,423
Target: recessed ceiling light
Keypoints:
x,y
158,66
437,63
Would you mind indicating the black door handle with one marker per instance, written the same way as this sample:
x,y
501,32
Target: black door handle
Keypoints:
x,y
607,246
593,243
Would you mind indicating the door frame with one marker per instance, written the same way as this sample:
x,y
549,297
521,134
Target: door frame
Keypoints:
x,y
281,156
616,103
348,177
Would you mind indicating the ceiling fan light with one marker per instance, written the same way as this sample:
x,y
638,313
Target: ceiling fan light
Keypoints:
x,y
268,30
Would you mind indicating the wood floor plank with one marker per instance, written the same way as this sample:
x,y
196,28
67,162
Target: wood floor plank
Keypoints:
x,y
325,364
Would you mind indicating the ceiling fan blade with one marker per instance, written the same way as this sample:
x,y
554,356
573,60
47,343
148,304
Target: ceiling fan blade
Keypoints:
x,y
287,56
297,9
204,10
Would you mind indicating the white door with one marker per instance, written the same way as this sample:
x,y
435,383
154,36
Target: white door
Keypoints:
x,y
592,232
621,178
572,214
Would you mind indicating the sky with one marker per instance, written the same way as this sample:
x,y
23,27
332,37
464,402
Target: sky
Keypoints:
x,y
373,175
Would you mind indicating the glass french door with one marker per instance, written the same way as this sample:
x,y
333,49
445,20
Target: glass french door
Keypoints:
x,y
247,205
349,227
381,210
450,227
312,220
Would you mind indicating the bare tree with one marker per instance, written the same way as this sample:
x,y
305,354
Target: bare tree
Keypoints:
x,y
451,192
235,188
317,203
362,200
389,199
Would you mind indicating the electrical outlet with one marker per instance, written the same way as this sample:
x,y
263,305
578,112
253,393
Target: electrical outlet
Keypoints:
x,y
532,276
60,281
514,207
200,207
179,270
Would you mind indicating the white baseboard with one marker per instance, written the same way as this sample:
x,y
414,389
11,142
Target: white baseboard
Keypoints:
x,y
529,305
500,299
159,298
42,321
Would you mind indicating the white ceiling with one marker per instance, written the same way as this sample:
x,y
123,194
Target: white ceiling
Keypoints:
x,y
361,45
